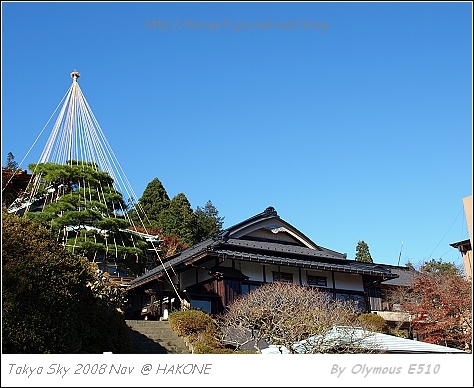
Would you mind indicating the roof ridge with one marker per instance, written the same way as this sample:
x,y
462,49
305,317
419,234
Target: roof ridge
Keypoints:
x,y
269,212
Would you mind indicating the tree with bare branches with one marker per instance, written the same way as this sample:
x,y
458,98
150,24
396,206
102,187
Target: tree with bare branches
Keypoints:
x,y
286,314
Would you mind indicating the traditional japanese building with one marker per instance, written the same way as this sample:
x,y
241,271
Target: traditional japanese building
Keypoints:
x,y
261,249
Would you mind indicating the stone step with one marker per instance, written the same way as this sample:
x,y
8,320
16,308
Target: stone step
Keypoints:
x,y
156,337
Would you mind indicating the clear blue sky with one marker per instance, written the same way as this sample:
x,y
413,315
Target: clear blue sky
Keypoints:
x,y
353,120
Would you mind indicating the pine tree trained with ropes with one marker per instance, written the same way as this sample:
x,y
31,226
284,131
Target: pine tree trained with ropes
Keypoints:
x,y
77,190
85,213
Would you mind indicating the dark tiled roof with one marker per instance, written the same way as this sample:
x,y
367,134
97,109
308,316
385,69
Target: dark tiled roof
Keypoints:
x,y
282,248
466,243
406,275
349,266
268,253
173,261
269,212
264,252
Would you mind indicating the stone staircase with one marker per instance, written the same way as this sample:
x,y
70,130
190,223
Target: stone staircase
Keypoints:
x,y
156,337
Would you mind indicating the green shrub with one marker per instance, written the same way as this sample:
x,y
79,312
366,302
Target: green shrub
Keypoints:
x,y
190,322
399,333
374,322
207,337
200,329
47,303
246,351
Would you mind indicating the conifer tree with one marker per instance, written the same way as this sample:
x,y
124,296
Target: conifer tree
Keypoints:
x,y
11,164
175,219
153,202
79,204
179,219
362,252
208,221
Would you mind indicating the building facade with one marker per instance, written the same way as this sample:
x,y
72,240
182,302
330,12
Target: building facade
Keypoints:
x,y
261,249
465,246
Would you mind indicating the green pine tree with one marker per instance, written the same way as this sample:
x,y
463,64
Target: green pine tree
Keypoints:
x,y
362,252
439,268
80,206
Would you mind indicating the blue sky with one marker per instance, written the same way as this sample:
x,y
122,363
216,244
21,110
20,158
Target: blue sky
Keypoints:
x,y
353,120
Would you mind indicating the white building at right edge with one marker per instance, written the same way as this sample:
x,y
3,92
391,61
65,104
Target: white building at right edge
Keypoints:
x,y
465,246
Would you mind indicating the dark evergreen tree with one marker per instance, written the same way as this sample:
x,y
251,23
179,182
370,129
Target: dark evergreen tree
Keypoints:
x,y
179,219
150,206
362,252
175,219
208,221
11,164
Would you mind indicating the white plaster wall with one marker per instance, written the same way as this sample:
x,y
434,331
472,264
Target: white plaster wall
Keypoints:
x,y
203,274
326,274
269,269
188,277
347,281
254,270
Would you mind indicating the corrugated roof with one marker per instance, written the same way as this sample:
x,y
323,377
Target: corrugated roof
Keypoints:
x,y
365,339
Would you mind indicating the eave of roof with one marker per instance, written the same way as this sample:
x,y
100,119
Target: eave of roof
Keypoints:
x,y
264,252
224,249
347,266
461,243
406,275
281,248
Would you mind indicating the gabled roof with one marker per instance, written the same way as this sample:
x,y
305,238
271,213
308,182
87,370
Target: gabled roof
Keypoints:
x,y
266,238
269,222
